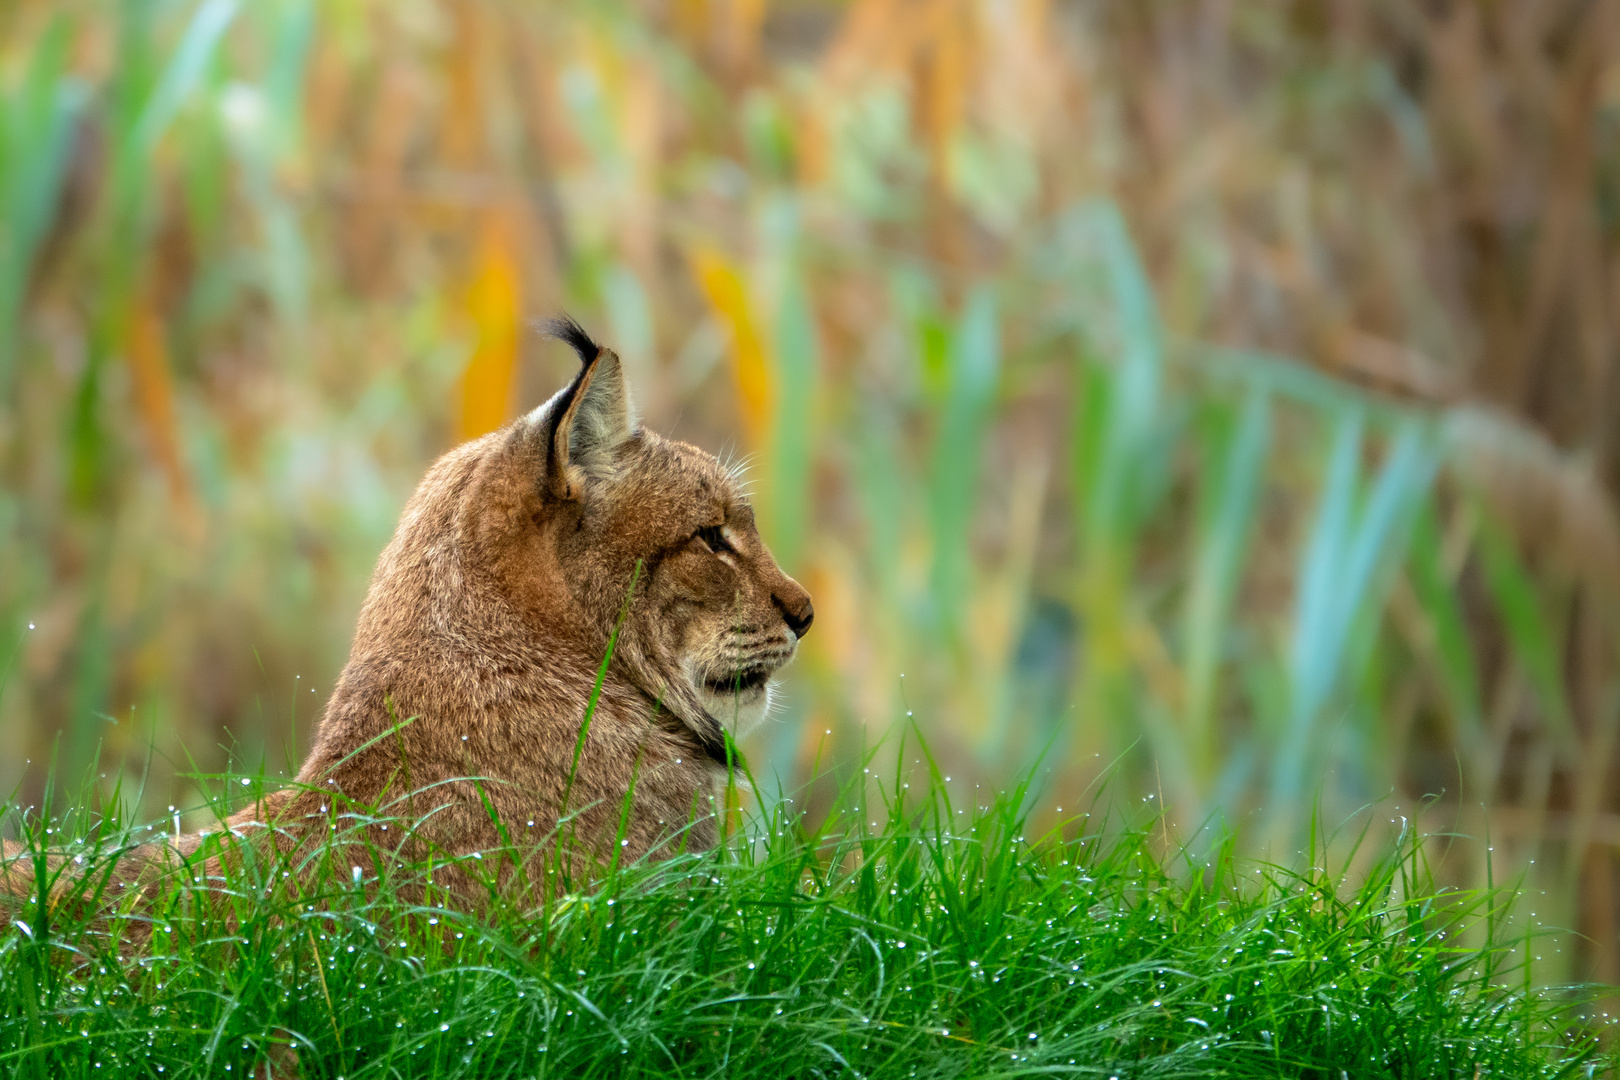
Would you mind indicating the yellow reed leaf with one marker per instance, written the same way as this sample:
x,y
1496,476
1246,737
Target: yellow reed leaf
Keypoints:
x,y
148,355
727,294
494,304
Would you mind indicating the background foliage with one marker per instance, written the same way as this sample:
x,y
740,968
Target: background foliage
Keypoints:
x,y
1218,396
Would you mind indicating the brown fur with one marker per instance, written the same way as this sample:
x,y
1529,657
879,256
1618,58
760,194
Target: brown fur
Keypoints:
x,y
489,615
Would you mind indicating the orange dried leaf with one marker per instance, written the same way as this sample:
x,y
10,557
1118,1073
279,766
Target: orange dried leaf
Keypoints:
x,y
494,307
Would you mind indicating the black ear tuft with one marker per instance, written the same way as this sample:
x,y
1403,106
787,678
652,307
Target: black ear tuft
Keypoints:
x,y
564,328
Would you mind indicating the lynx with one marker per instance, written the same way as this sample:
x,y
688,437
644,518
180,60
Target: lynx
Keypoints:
x,y
482,641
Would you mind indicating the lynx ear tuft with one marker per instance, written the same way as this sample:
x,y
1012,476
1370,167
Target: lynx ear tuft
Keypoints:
x,y
565,329
586,423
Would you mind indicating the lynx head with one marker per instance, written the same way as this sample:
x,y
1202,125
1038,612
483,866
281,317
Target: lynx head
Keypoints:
x,y
596,523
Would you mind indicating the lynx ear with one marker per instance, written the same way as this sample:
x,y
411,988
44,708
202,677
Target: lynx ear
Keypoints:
x,y
585,424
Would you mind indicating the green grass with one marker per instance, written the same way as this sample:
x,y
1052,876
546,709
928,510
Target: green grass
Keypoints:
x,y
902,938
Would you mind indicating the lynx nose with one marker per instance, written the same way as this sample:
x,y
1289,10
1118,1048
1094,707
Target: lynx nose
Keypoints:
x,y
797,611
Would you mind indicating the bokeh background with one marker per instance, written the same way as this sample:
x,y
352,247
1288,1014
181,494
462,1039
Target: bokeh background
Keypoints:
x,y
1212,400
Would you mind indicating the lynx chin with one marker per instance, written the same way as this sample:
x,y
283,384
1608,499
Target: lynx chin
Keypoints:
x,y
484,629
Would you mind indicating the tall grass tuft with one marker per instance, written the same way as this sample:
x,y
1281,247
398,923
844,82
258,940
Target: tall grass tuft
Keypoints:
x,y
913,932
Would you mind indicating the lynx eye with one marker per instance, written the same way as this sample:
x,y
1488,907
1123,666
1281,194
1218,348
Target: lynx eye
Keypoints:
x,y
713,537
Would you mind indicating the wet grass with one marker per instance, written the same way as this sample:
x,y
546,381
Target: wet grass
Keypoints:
x,y
904,937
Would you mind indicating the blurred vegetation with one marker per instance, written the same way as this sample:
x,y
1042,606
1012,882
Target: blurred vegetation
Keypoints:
x,y
1215,396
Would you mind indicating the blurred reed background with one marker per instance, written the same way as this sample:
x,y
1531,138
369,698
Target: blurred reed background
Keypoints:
x,y
1221,393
